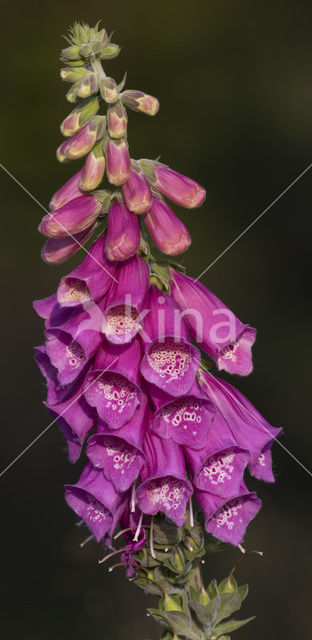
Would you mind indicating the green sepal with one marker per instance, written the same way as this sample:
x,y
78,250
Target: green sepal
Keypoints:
x,y
228,627
230,603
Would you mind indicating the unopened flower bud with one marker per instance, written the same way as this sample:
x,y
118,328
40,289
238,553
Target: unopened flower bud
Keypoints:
x,y
57,250
73,217
70,53
139,101
85,50
109,90
110,51
170,603
93,171
136,192
80,116
71,95
84,140
60,152
167,230
72,74
123,235
117,120
88,85
118,167
180,189
67,192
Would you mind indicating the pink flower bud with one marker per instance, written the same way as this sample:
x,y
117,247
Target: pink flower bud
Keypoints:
x,y
168,232
136,192
139,101
93,171
118,161
180,189
88,85
123,234
57,250
82,142
80,116
75,216
67,192
109,90
117,120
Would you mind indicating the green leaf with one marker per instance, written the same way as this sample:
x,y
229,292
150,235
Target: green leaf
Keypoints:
x,y
228,627
182,624
243,591
230,602
212,589
206,614
166,533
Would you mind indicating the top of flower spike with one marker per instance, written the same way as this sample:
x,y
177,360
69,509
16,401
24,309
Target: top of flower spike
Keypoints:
x,y
88,41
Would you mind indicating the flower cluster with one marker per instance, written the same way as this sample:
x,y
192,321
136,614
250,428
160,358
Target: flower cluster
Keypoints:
x,y
120,359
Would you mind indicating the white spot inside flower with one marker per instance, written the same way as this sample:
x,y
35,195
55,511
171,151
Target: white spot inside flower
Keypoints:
x,y
122,321
170,360
219,468
226,515
117,391
167,493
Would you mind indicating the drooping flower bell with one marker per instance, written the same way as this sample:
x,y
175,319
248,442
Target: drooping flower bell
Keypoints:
x,y
214,327
170,360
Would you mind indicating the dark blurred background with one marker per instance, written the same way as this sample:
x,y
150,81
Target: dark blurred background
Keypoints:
x,y
234,83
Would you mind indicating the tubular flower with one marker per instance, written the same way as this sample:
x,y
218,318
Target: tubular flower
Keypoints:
x,y
170,361
168,232
122,364
216,329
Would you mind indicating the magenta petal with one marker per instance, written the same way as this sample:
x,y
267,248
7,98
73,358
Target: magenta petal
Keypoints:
x,y
167,230
186,419
75,419
56,392
214,327
73,217
250,430
45,306
123,233
170,361
119,460
95,500
66,355
227,520
219,467
119,453
171,365
57,250
125,300
237,358
136,192
164,481
180,189
262,468
67,192
90,280
113,385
